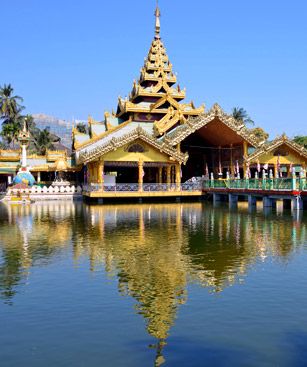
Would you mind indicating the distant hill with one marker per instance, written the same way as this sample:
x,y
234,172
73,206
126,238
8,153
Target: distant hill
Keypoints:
x,y
59,127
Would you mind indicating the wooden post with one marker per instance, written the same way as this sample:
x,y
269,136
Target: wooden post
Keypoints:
x,y
95,168
141,174
245,149
178,176
90,174
245,154
100,178
160,175
288,171
275,170
168,177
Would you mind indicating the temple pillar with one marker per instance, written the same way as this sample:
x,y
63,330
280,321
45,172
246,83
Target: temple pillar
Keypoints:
x,y
288,171
168,176
160,180
100,169
245,149
178,176
141,174
304,168
95,172
276,175
89,169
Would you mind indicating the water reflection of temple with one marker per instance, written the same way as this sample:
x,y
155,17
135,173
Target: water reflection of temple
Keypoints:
x,y
154,251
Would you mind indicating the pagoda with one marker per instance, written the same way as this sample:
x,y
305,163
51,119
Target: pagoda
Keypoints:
x,y
155,137
155,99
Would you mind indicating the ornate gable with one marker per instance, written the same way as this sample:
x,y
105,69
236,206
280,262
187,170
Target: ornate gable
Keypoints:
x,y
94,151
275,144
193,124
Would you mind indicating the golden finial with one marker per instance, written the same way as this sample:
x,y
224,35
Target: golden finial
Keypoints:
x,y
158,25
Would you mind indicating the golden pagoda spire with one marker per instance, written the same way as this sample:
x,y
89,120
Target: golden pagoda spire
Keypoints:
x,y
158,24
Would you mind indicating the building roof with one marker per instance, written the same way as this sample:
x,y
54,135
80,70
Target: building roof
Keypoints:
x,y
279,141
179,133
122,136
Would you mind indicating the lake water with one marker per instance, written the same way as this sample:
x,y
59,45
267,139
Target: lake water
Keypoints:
x,y
152,285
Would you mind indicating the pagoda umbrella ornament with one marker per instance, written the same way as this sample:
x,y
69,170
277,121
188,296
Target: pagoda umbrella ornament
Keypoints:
x,y
24,175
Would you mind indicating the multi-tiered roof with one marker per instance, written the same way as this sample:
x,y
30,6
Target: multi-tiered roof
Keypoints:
x,y
155,99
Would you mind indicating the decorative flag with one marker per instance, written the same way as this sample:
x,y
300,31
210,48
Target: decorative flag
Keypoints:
x,y
258,166
248,171
220,168
238,168
207,170
265,166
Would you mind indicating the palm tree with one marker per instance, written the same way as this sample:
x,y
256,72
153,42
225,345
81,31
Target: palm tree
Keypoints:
x,y
10,109
9,104
10,132
241,115
43,141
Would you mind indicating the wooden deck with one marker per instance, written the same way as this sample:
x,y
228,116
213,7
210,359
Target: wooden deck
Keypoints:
x,y
141,194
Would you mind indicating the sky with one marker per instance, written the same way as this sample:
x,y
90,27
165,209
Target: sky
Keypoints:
x,y
73,58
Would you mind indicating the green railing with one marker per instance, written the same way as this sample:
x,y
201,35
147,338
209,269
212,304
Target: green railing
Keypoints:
x,y
258,184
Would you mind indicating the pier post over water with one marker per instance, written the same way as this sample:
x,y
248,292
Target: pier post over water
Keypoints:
x,y
217,198
252,201
297,203
267,202
233,200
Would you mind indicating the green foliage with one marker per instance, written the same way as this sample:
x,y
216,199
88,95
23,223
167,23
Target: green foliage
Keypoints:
x,y
10,109
81,128
260,133
241,115
301,139
43,140
9,104
13,121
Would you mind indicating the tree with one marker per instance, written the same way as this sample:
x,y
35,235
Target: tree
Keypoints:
x,y
10,109
300,139
43,141
9,104
10,133
81,128
241,115
259,133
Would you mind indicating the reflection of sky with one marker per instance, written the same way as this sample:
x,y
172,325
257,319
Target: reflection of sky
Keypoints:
x,y
153,251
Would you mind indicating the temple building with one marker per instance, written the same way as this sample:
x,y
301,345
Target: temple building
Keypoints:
x,y
154,136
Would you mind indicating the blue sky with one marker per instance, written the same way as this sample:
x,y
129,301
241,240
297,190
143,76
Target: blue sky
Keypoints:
x,y
71,58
